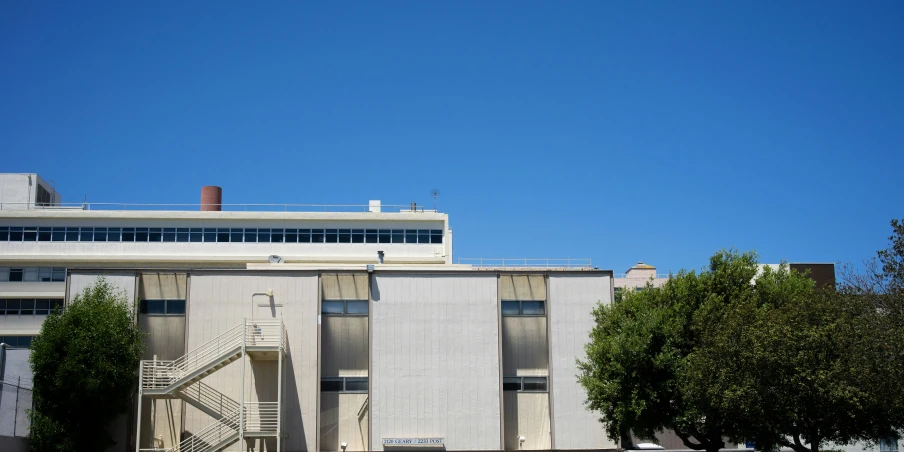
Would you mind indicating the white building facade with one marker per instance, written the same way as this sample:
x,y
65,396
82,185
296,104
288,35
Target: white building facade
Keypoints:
x,y
315,331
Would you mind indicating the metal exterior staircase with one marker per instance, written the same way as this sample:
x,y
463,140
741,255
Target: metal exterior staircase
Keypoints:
x,y
233,420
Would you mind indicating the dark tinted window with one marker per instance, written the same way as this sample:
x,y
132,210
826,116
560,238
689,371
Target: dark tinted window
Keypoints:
x,y
263,235
155,234
511,384
30,234
370,236
345,236
332,307
153,306
385,236
87,235
141,234
4,234
316,236
510,308
223,235
236,235
15,234
182,234
169,234
356,384
113,234
436,236
16,274
291,235
532,308
128,234
331,384
175,306
43,234
100,234
210,235
356,307
251,235
398,236
332,235
72,234
276,236
534,384
304,236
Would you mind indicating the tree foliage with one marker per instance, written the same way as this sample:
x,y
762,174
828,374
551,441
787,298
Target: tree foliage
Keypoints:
x,y
84,363
730,354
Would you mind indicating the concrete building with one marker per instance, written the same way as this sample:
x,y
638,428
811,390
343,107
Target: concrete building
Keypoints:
x,y
283,329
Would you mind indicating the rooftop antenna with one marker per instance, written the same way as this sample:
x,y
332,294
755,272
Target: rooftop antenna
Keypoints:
x,y
434,193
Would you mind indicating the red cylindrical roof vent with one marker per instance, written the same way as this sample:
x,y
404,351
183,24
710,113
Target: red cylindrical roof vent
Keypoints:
x,y
211,198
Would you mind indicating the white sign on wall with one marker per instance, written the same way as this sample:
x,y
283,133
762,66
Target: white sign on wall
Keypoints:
x,y
412,441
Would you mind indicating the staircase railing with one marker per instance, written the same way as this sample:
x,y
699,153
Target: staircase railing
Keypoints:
x,y
211,435
158,374
264,333
209,400
261,417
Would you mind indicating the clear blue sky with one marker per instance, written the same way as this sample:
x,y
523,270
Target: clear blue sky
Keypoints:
x,y
620,131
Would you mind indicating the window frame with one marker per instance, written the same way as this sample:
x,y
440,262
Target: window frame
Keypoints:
x,y
521,308
520,381
143,307
344,312
344,384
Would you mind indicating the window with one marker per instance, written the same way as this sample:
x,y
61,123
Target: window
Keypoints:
x,y
263,235
889,444
113,234
15,234
87,235
316,236
162,307
16,274
29,306
100,234
398,236
30,234
343,384
17,341
276,236
357,235
182,234
332,236
526,307
169,234
44,234
291,236
4,234
370,236
32,274
345,236
344,307
525,384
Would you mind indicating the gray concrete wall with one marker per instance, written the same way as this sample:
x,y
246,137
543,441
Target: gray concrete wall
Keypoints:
x,y
124,281
10,444
527,415
572,298
435,358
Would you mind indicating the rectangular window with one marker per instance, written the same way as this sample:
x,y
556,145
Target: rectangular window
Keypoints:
x,y
15,234
511,307
56,304
345,236
251,235
128,234
31,274
525,307
291,236
357,235
196,235
889,444
344,307
436,236
236,235
533,384
210,235
100,234
4,234
42,307
332,307
155,234
355,384
169,234
59,274
182,234
343,384
141,234
370,236
87,235
304,236
276,236
398,236
16,274
17,341
58,234
45,274
263,235
385,236
332,236
44,234
2,306
4,274
331,384
12,306
511,384
27,307
113,234
223,235
30,234
316,236
162,307
72,234
525,384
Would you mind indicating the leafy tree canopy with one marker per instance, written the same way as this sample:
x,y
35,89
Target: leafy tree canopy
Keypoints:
x,y
84,363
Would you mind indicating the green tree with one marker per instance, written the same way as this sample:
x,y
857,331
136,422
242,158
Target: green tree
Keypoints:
x,y
84,363
637,359
795,367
